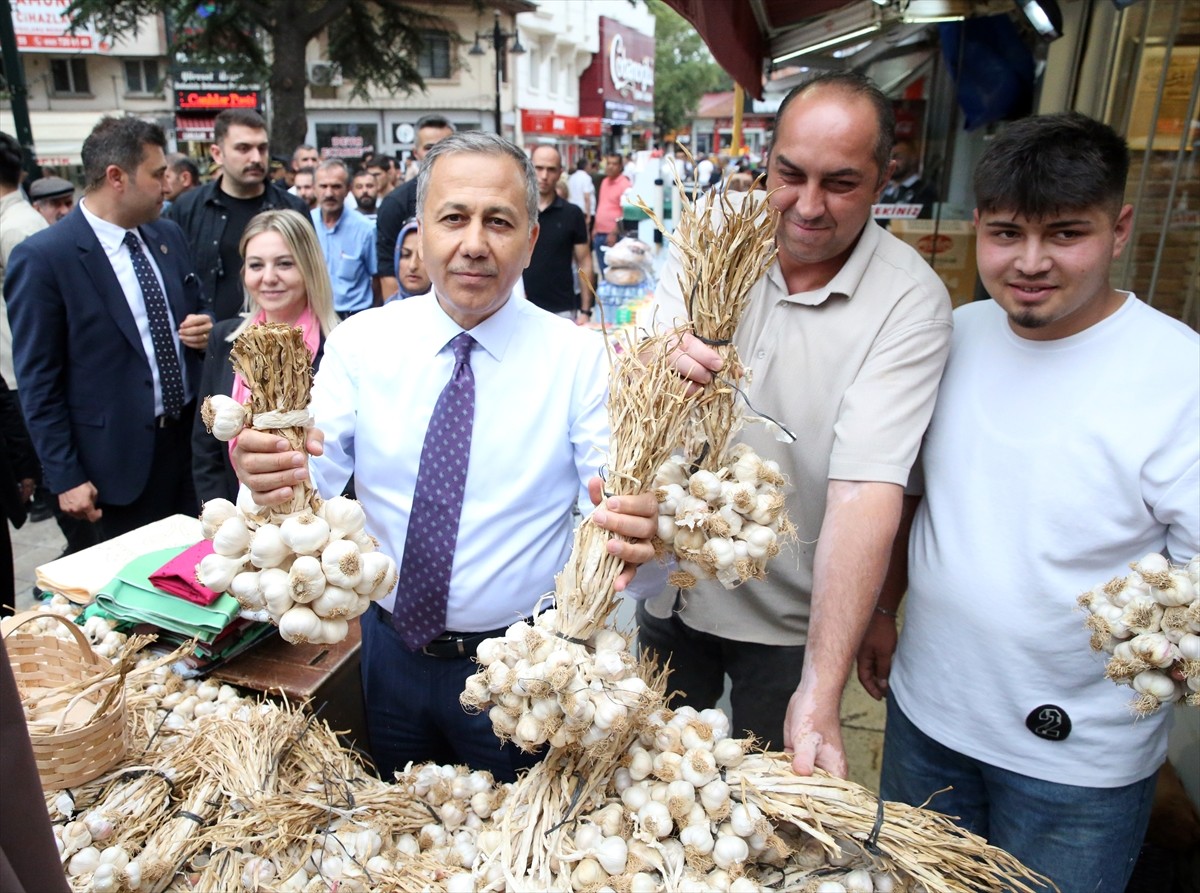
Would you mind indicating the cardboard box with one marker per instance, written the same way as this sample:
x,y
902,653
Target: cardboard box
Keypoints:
x,y
951,252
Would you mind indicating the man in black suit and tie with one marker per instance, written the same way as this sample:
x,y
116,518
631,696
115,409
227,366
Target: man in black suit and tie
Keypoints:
x,y
108,324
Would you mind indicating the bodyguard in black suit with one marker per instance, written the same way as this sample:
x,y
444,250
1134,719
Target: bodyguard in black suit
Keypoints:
x,y
108,324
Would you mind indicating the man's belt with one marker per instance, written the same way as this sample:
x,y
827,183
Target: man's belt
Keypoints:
x,y
451,644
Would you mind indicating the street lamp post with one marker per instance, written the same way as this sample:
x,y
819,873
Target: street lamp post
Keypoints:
x,y
499,39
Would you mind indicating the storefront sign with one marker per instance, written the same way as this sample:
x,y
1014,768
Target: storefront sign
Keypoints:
x,y
41,27
630,77
215,100
539,121
346,140
619,84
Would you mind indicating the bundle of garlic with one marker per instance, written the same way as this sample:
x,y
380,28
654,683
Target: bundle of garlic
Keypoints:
x,y
724,524
308,572
1149,622
543,688
308,566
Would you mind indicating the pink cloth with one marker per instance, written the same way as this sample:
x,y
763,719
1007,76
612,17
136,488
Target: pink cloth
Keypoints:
x,y
308,324
178,576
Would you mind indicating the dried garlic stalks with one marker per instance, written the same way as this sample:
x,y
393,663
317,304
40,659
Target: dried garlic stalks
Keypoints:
x,y
565,680
721,508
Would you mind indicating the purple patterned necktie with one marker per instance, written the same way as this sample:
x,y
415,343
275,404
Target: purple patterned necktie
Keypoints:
x,y
420,611
170,377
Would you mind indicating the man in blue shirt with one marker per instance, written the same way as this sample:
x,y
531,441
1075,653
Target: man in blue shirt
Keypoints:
x,y
347,240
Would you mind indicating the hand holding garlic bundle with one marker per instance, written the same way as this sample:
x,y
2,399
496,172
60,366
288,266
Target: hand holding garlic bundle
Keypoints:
x,y
725,523
308,566
1149,621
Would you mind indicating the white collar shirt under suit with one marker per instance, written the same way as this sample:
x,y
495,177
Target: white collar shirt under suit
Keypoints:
x,y
540,430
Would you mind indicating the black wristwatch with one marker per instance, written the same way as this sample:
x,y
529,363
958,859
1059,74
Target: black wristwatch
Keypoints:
x,y
586,312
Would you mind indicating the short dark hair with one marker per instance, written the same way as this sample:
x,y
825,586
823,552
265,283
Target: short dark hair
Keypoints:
x,y
857,85
181,163
240,117
380,162
362,172
439,121
10,160
119,141
1039,167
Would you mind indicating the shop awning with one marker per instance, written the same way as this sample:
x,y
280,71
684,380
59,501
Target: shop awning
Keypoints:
x,y
57,136
195,128
741,35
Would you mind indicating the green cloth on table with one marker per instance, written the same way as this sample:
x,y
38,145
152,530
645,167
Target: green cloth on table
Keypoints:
x,y
131,598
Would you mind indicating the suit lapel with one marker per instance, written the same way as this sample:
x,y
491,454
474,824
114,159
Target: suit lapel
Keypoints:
x,y
98,269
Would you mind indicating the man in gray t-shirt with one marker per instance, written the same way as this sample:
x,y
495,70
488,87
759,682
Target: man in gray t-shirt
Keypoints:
x,y
846,334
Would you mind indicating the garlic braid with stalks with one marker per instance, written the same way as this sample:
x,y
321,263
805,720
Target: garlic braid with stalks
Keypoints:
x,y
1148,622
723,524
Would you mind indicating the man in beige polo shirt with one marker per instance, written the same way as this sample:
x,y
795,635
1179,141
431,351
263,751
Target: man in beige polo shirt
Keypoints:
x,y
846,334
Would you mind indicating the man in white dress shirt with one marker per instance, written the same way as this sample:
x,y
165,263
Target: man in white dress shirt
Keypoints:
x,y
540,430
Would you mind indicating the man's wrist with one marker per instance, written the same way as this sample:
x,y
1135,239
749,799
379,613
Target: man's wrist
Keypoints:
x,y
586,311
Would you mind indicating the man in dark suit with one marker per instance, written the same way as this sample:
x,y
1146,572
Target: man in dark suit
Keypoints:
x,y
108,324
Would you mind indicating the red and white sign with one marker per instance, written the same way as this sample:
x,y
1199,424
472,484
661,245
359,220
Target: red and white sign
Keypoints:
x,y
540,121
206,100
41,27
621,76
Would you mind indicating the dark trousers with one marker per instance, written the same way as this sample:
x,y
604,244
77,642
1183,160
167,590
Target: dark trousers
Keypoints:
x,y
169,489
413,713
762,677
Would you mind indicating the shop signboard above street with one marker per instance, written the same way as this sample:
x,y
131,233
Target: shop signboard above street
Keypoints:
x,y
619,84
212,90
549,122
41,27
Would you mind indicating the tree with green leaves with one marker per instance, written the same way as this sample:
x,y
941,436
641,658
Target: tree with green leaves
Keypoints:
x,y
374,42
684,70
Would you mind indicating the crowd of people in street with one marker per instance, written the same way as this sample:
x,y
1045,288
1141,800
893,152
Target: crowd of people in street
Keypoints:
x,y
975,460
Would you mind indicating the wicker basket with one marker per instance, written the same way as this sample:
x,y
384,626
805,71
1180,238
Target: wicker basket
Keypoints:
x,y
42,663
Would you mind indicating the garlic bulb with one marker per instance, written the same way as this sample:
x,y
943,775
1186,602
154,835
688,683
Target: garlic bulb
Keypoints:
x,y
214,513
217,571
305,534
232,538
223,417
344,516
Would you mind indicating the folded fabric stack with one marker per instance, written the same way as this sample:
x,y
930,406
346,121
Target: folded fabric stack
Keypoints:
x,y
146,581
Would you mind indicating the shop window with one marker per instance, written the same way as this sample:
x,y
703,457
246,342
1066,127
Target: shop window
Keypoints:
x,y
434,60
70,76
141,75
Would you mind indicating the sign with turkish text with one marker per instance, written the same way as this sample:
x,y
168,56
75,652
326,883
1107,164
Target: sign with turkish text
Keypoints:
x,y
215,100
41,27
892,212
